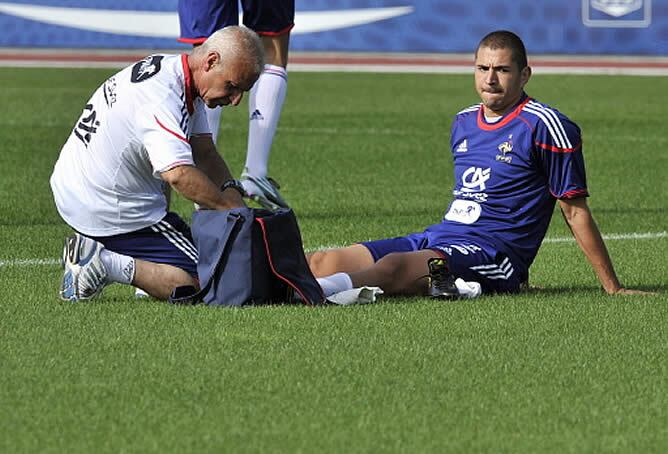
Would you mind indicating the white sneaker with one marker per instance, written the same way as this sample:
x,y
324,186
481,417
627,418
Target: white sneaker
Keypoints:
x,y
360,295
85,275
263,190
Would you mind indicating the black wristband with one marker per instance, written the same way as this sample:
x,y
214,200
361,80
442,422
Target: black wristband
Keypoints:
x,y
234,184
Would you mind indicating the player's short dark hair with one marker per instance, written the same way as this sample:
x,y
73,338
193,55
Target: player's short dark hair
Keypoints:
x,y
504,39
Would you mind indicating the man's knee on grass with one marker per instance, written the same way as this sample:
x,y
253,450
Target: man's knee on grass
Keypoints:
x,y
158,279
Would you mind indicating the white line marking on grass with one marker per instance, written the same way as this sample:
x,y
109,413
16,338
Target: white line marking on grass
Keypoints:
x,y
340,131
29,262
564,239
610,237
614,236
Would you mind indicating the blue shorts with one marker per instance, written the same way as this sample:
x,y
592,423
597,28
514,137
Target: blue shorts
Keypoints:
x,y
200,18
168,241
472,259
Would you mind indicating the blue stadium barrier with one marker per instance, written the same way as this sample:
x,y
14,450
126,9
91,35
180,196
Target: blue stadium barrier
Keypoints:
x,y
618,27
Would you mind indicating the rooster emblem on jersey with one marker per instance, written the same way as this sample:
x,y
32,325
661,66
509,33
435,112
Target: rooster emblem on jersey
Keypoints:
x,y
146,68
505,148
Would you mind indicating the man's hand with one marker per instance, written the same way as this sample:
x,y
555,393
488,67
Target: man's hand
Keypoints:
x,y
586,233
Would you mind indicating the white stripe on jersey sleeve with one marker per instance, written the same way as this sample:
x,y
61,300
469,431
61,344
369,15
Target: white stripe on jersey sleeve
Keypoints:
x,y
472,108
552,121
557,120
554,132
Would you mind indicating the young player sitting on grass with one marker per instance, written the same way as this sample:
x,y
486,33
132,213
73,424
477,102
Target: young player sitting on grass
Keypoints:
x,y
514,157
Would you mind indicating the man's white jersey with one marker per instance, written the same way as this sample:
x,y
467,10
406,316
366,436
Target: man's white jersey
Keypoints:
x,y
135,126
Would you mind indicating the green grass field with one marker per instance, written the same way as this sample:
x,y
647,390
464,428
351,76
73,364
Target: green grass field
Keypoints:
x,y
359,156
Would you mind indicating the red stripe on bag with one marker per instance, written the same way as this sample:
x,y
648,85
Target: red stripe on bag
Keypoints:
x,y
271,264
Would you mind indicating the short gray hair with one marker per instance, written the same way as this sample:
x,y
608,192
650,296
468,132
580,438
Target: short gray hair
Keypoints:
x,y
233,42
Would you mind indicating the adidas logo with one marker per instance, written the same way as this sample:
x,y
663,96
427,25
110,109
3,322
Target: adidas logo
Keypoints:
x,y
256,115
462,147
129,271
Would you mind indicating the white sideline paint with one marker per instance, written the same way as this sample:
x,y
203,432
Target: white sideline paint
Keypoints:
x,y
30,262
610,237
341,131
564,239
615,236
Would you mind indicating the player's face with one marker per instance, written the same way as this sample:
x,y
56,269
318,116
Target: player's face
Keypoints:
x,y
226,85
498,80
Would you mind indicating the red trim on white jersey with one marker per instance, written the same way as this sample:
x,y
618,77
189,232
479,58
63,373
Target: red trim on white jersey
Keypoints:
x,y
188,83
175,134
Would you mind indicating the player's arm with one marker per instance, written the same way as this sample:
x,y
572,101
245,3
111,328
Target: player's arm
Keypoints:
x,y
208,160
195,185
586,233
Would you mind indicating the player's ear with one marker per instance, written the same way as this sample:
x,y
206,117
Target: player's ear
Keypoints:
x,y
525,75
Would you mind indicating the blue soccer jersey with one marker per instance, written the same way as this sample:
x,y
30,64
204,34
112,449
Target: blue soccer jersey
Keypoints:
x,y
509,174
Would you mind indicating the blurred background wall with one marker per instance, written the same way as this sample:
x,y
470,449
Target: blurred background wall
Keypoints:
x,y
615,27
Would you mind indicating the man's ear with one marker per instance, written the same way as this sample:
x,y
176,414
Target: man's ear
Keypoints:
x,y
212,59
526,75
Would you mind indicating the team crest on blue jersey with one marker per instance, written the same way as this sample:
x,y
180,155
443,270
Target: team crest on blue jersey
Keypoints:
x,y
505,148
147,68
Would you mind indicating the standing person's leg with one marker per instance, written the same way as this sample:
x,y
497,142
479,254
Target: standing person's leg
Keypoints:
x,y
199,19
272,20
265,104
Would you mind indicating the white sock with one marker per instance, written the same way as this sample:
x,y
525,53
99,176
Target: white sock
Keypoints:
x,y
335,283
213,118
265,104
120,268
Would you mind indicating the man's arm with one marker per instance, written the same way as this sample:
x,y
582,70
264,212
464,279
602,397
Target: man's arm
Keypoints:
x,y
586,233
208,160
195,185
201,184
